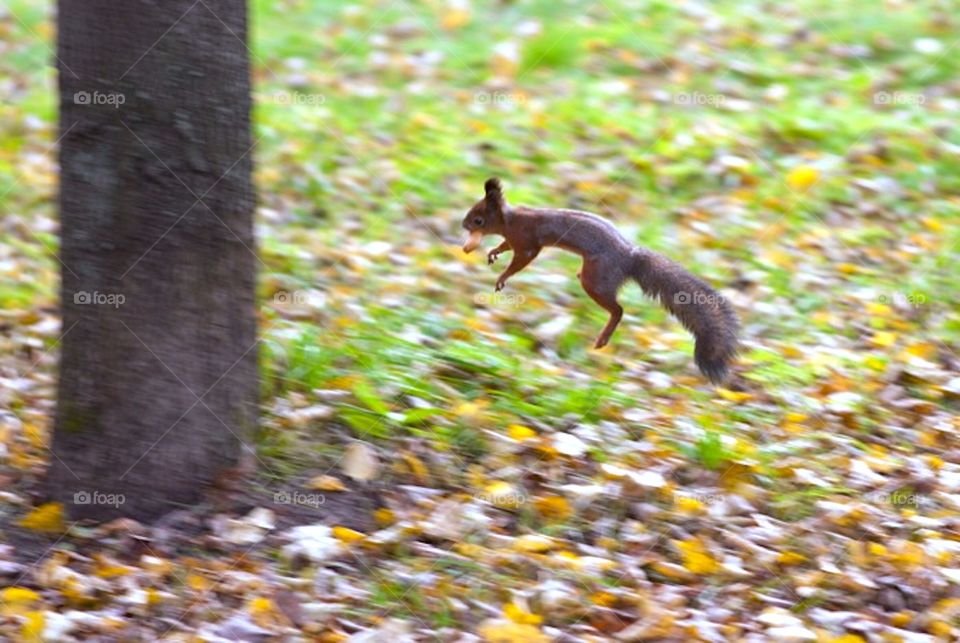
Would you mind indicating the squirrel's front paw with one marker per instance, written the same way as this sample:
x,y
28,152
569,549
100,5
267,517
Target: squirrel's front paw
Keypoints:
x,y
492,257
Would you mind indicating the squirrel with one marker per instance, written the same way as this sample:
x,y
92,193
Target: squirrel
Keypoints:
x,y
608,261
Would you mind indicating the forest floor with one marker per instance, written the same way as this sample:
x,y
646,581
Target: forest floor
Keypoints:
x,y
479,469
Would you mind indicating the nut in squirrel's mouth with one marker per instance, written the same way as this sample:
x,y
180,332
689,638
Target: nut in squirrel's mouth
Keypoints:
x,y
472,241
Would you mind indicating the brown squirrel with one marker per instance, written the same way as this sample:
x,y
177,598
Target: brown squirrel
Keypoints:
x,y
608,261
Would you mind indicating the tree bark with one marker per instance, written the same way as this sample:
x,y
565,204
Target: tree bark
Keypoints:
x,y
158,377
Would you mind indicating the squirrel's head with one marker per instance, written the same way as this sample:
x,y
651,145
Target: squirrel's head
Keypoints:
x,y
486,215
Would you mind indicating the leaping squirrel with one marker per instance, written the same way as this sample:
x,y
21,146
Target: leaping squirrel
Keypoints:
x,y
608,261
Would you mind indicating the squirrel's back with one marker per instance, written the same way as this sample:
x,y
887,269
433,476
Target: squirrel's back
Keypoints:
x,y
581,232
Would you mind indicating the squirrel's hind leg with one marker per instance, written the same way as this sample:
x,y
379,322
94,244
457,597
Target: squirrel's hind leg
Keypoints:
x,y
602,287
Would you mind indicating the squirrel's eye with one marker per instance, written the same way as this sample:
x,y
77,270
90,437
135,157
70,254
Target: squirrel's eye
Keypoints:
x,y
478,221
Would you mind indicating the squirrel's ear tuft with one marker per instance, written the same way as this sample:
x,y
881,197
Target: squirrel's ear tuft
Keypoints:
x,y
494,194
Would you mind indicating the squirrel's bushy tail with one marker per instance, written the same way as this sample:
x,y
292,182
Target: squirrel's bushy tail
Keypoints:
x,y
700,308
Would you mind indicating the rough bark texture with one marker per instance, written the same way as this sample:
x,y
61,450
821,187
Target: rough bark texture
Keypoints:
x,y
157,391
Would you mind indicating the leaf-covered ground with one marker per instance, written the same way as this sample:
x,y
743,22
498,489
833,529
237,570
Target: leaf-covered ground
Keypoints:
x,y
800,156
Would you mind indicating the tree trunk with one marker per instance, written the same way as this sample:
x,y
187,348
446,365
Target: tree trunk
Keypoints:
x,y
158,376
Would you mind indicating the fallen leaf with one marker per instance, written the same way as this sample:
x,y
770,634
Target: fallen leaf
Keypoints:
x,y
45,518
802,177
360,462
326,483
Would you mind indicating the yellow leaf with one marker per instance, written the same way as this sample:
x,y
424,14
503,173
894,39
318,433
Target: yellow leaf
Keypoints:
x,y
344,382
260,605
47,517
519,615
479,325
478,127
18,595
268,175
384,516
909,556
506,631
695,557
735,396
469,550
197,582
876,549
687,504
263,611
75,594
326,483
519,432
533,543
603,599
802,177
671,571
923,350
112,571
476,476
470,409
553,507
347,535
790,558
880,310
32,629
824,317
454,19
35,435
779,258
941,630
848,268
417,467
884,339
422,120
587,564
